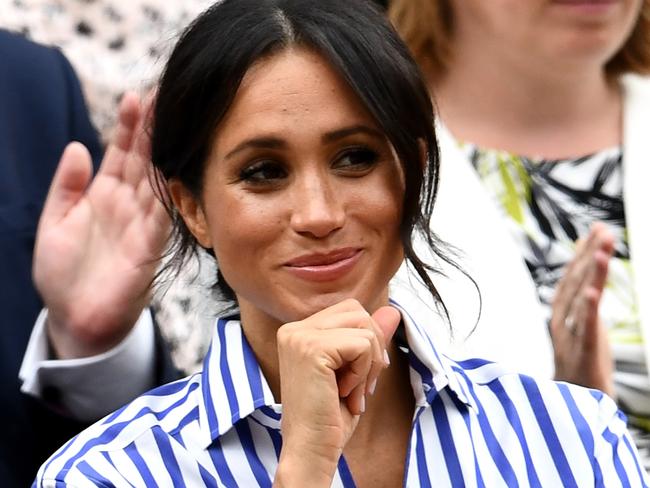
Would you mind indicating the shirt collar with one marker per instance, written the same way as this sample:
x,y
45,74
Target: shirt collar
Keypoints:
x,y
233,386
431,371
232,383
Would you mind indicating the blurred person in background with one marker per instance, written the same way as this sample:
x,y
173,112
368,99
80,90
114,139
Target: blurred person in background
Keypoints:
x,y
71,374
544,108
116,46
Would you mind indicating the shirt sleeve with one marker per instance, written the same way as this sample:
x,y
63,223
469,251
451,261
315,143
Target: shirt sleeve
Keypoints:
x,y
617,461
89,388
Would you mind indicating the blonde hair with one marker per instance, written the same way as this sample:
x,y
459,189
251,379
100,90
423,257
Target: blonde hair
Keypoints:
x,y
426,27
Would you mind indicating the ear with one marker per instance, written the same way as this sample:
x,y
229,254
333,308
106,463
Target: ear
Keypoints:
x,y
191,211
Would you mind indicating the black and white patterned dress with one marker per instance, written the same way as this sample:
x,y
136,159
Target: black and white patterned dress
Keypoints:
x,y
549,205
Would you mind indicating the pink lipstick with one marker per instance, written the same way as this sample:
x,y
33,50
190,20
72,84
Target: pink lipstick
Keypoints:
x,y
328,266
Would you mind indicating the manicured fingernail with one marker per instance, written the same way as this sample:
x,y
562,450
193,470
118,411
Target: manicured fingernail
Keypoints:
x,y
362,404
386,358
372,386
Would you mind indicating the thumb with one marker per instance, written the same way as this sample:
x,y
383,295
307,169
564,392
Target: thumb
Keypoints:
x,y
387,318
69,183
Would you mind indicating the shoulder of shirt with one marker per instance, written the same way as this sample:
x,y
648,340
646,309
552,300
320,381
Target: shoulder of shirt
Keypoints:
x,y
163,408
485,381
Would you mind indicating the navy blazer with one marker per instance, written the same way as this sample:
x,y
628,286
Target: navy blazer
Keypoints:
x,y
41,110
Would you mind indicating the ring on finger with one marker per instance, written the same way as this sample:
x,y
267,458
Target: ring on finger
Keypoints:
x,y
571,324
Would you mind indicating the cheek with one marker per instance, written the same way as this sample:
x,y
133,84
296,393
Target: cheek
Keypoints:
x,y
242,226
382,203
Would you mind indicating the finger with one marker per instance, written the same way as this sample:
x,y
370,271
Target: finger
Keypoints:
x,y
352,351
350,314
587,318
600,269
128,116
145,194
69,183
387,318
122,138
143,143
157,225
348,305
385,321
605,238
575,275
587,328
361,319
354,319
356,401
583,317
139,155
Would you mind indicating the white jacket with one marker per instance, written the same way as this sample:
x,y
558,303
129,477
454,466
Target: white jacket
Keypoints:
x,y
511,329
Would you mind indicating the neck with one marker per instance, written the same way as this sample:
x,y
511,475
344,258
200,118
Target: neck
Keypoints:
x,y
505,101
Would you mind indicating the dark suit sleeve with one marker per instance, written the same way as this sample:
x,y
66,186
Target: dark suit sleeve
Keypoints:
x,y
81,128
41,109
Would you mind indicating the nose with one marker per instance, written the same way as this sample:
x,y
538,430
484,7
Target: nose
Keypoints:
x,y
317,210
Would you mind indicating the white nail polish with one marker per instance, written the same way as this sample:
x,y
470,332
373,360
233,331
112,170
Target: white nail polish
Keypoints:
x,y
362,405
372,386
386,358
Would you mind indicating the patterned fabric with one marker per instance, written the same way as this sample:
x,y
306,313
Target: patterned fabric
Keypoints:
x,y
549,204
185,307
114,45
474,425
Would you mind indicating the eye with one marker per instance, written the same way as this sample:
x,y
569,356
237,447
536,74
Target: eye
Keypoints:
x,y
356,160
263,172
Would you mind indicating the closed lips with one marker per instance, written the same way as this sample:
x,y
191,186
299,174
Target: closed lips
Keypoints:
x,y
323,259
325,267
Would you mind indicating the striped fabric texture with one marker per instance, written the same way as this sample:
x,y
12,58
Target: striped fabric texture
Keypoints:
x,y
474,425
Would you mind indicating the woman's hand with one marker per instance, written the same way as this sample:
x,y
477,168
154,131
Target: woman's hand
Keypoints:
x,y
580,340
98,242
328,363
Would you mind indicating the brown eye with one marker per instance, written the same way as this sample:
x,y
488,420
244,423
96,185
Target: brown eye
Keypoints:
x,y
356,160
263,172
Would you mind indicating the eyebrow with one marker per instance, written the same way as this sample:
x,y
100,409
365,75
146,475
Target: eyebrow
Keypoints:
x,y
328,137
348,131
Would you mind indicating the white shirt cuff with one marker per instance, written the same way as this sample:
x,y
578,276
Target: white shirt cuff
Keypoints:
x,y
94,386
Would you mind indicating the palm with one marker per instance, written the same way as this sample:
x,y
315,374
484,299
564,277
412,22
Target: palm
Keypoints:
x,y
585,360
97,247
580,341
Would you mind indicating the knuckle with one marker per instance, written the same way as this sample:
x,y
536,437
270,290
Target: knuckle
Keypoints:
x,y
286,334
353,303
368,335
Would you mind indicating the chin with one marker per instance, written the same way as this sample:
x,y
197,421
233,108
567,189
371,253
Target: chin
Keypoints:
x,y
307,306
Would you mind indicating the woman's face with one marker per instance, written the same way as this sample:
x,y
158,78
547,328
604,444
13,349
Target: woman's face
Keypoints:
x,y
302,195
546,31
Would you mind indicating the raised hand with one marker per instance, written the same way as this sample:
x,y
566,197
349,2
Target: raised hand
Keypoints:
x,y
582,349
329,362
98,242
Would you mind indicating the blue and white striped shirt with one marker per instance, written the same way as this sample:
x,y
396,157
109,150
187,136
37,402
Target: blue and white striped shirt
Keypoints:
x,y
474,425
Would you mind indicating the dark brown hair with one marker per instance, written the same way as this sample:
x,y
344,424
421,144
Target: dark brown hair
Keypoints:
x,y
212,56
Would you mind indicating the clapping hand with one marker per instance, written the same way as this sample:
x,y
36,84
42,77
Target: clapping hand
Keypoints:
x,y
580,341
98,242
